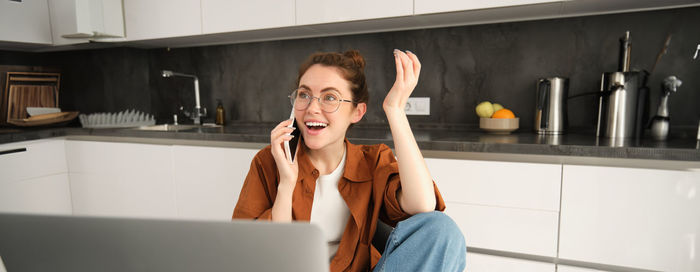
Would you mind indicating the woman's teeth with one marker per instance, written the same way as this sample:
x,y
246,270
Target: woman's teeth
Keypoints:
x,y
316,125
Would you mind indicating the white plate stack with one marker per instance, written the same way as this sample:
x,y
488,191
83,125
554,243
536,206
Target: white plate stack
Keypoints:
x,y
122,119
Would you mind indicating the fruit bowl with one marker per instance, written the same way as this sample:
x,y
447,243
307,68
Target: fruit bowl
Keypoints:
x,y
499,125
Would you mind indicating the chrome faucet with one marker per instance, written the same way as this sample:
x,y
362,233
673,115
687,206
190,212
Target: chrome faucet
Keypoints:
x,y
198,112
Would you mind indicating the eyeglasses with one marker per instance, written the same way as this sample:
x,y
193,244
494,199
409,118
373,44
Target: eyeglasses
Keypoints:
x,y
329,100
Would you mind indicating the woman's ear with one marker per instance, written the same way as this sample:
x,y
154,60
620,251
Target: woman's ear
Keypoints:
x,y
359,111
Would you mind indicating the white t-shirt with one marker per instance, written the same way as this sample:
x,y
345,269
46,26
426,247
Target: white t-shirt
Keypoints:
x,y
329,210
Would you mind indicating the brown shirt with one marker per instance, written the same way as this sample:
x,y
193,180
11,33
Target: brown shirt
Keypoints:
x,y
369,186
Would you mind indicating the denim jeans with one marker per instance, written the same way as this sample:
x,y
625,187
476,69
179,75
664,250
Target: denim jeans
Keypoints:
x,y
424,242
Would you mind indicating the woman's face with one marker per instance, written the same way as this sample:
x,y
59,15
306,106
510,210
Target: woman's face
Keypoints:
x,y
318,127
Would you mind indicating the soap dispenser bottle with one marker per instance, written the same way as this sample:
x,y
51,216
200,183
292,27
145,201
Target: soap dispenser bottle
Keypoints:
x,y
220,115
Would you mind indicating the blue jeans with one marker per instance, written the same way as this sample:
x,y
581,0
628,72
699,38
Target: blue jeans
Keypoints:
x,y
424,242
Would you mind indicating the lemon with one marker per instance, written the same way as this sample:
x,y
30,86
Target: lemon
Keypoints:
x,y
484,109
497,107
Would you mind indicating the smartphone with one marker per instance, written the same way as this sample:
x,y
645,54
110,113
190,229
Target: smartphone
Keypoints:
x,y
291,146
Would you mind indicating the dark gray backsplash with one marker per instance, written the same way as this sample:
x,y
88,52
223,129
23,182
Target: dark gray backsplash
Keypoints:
x,y
461,67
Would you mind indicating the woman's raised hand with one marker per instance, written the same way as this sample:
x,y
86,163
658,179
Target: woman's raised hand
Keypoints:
x,y
407,72
288,172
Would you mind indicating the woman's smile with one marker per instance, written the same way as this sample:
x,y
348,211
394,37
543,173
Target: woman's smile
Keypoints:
x,y
315,127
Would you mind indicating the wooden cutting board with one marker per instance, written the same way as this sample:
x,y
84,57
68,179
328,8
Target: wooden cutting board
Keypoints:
x,y
45,119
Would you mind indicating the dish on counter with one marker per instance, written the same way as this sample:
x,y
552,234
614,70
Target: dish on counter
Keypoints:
x,y
33,111
499,125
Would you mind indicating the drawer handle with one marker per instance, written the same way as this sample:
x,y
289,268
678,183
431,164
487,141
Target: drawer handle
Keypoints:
x,y
10,151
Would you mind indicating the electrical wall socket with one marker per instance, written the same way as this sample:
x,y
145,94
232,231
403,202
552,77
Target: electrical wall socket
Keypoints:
x,y
418,106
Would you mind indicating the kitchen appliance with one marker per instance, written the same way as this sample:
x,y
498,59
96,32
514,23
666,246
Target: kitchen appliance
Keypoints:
x,y
620,105
550,106
617,106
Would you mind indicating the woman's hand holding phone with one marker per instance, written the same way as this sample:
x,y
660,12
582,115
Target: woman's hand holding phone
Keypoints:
x,y
288,171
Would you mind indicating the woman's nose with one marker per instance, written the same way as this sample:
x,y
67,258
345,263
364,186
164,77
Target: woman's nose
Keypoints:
x,y
315,105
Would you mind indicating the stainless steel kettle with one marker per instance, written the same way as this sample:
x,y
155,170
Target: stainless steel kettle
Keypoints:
x,y
550,106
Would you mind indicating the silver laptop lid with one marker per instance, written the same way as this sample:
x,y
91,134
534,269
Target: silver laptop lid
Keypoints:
x,y
69,243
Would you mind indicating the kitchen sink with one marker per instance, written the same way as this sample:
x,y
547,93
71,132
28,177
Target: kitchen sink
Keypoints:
x,y
170,127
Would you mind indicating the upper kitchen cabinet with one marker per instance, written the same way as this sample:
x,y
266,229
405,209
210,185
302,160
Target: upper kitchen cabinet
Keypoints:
x,y
156,19
25,22
428,6
79,21
240,15
586,7
329,11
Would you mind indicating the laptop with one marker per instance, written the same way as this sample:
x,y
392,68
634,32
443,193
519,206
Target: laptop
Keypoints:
x,y
73,243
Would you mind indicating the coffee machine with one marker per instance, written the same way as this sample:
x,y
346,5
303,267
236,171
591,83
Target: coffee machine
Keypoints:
x,y
622,99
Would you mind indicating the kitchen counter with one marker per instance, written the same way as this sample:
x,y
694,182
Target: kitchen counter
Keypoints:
x,y
434,141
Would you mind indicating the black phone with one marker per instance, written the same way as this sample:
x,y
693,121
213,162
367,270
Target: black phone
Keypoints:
x,y
291,145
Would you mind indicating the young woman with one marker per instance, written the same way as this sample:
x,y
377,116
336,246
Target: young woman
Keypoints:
x,y
346,188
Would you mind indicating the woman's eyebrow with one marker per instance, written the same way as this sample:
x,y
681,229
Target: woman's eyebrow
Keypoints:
x,y
329,89
323,90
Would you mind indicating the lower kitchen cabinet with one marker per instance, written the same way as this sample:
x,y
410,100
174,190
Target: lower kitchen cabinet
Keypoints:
x,y
637,218
32,159
156,181
504,206
121,179
34,178
208,180
43,195
506,229
477,262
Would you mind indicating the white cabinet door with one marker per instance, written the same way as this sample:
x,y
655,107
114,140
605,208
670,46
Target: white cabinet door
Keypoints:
x,y
502,205
638,218
329,11
25,21
237,15
432,6
155,19
32,159
64,20
76,21
507,229
121,179
42,195
209,180
488,263
504,184
34,177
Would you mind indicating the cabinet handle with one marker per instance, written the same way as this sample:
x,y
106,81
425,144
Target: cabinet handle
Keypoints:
x,y
10,151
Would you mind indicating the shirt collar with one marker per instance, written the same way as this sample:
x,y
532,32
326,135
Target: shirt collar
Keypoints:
x,y
356,168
